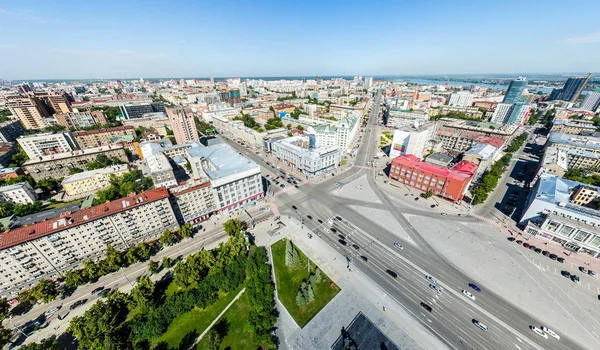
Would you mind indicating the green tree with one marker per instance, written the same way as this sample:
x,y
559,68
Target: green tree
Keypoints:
x,y
44,344
300,299
5,335
213,339
167,238
318,274
428,193
261,295
166,262
290,134
143,291
6,209
186,230
48,184
75,170
113,258
45,290
4,308
152,266
234,226
310,296
300,127
74,278
17,159
289,126
27,209
291,254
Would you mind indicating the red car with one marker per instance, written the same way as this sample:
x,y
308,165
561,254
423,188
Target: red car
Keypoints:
x,y
526,245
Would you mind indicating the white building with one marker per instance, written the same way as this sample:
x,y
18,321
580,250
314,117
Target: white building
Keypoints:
x,y
235,180
368,82
193,201
49,248
501,113
340,135
19,193
399,119
591,101
296,152
47,143
411,141
462,99
160,170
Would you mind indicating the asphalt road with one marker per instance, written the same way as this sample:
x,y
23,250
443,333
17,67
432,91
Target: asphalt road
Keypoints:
x,y
452,312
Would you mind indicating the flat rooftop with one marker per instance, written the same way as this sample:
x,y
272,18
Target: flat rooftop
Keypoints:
x,y
363,334
67,155
91,173
225,160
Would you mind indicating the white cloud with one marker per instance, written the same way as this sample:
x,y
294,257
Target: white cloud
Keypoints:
x,y
585,39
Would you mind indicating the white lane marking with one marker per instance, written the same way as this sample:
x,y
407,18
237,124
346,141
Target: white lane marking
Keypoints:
x,y
520,341
518,347
429,320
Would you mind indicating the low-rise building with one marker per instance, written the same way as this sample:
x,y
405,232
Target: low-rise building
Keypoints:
x,y
298,153
573,126
80,120
439,159
565,212
483,155
87,182
19,193
471,112
575,142
47,143
458,126
235,180
557,160
458,142
160,170
399,119
235,129
9,173
447,183
412,140
49,248
58,165
461,99
101,137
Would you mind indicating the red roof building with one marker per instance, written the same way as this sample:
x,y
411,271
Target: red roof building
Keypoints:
x,y
447,183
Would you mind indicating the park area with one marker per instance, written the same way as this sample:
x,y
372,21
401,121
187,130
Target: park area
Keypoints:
x,y
290,279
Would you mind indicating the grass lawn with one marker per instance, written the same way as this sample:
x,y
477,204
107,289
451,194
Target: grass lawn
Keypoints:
x,y
233,327
289,280
195,320
387,134
61,204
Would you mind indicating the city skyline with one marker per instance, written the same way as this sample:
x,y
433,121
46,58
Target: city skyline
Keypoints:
x,y
153,39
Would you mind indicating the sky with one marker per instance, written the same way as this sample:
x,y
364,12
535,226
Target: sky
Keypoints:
x,y
224,38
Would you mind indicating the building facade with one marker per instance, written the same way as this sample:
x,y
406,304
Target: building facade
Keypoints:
x,y
42,144
10,130
573,126
80,120
19,193
182,122
87,182
570,91
591,102
450,184
193,201
160,170
134,111
297,152
101,137
28,109
49,248
515,90
58,165
461,99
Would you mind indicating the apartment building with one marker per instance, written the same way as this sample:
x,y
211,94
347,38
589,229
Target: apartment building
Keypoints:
x,y
573,126
42,144
461,99
235,180
28,109
138,110
57,165
80,120
450,184
10,130
472,112
101,137
453,126
182,122
301,153
49,248
236,130
55,102
19,193
411,141
193,201
157,121
558,159
458,142
575,142
565,212
87,182
160,170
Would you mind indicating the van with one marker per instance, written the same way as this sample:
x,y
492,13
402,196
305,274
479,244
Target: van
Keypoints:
x,y
481,325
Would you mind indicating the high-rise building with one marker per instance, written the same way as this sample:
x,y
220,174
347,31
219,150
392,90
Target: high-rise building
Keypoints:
x,y
501,113
80,120
571,90
182,122
515,90
28,109
368,82
462,98
518,114
54,102
591,101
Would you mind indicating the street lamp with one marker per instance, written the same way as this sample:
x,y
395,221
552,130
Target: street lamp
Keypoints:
x,y
15,327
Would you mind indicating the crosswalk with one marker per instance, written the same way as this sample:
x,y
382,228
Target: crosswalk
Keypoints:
x,y
489,221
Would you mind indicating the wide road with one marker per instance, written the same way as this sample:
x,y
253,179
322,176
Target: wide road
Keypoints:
x,y
452,311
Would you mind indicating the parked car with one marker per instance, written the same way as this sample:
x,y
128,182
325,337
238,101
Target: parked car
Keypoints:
x,y
537,250
342,242
519,241
78,303
583,269
319,221
511,239
591,273
560,260
309,217
575,279
97,290
355,246
545,253
565,273
364,258
553,256
526,245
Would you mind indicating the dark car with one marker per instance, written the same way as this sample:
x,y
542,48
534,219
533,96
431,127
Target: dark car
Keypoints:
x,y
545,253
282,185
560,260
426,307
296,186
519,241
294,207
78,303
537,250
333,230
553,256
432,206
532,247
391,273
342,242
341,237
319,221
575,279
355,246
526,245
474,286
511,239
566,274
309,217
416,198
364,258
339,218
97,290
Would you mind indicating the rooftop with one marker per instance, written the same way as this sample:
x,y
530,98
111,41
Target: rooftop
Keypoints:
x,y
556,190
102,131
225,161
575,140
157,163
68,219
363,334
13,186
461,171
91,173
486,151
67,155
439,157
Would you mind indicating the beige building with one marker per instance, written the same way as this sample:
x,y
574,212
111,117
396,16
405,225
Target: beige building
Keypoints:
x,y
182,122
49,248
573,126
56,102
584,195
193,201
101,137
74,121
28,109
81,184
58,165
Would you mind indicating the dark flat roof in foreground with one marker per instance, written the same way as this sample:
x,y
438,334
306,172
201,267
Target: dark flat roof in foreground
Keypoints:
x,y
363,334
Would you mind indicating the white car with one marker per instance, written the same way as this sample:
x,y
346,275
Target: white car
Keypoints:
x,y
436,288
330,222
539,332
398,245
326,229
468,294
551,332
431,279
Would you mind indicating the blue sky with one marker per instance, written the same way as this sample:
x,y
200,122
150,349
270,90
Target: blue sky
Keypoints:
x,y
130,39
